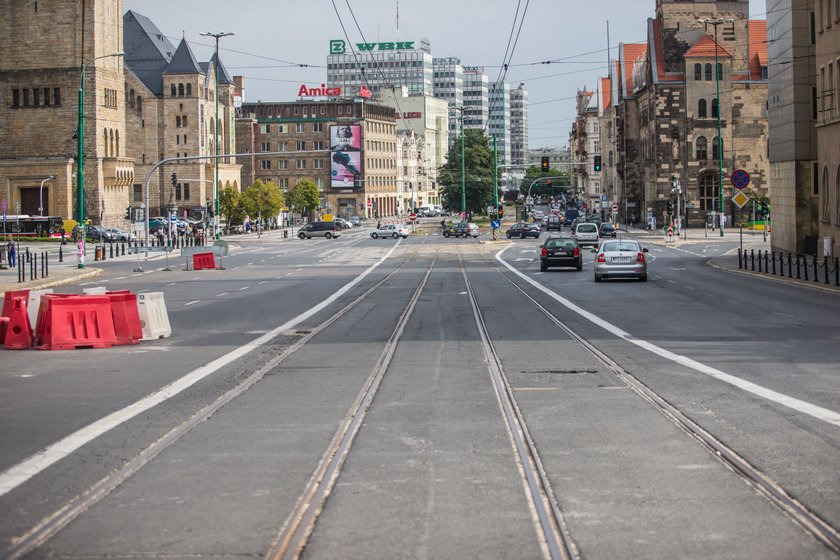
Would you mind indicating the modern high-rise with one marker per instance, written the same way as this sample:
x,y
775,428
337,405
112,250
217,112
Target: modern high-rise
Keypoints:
x,y
519,126
376,66
499,120
476,98
449,86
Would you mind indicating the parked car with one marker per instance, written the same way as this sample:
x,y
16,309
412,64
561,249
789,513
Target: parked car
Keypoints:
x,y
560,251
118,234
606,229
390,230
356,221
586,234
99,234
523,230
342,223
623,258
318,229
462,229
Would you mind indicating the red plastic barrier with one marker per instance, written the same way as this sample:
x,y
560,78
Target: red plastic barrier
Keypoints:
x,y
40,322
127,328
204,261
8,304
68,323
18,331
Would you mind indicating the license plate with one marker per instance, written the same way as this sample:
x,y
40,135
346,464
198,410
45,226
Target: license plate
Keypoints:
x,y
621,259
560,253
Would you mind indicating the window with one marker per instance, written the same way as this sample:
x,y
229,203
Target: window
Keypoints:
x,y
265,128
36,97
172,90
701,109
283,128
180,90
26,97
698,72
177,139
265,146
717,148
319,145
189,94
138,193
56,96
300,164
825,196
283,182
186,191
184,120
178,122
708,72
265,164
281,147
708,191
318,127
300,145
318,164
701,147
178,191
15,98
282,164
300,127
715,110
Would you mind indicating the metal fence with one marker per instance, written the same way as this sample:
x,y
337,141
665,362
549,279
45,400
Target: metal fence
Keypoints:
x,y
801,267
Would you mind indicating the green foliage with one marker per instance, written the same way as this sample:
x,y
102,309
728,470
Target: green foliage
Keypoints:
x,y
229,205
561,183
478,173
304,196
261,199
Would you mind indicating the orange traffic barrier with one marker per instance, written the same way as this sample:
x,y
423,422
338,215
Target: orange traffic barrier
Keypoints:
x,y
126,318
204,261
68,323
8,304
18,331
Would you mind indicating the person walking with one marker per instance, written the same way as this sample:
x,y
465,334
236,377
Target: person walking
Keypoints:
x,y
12,254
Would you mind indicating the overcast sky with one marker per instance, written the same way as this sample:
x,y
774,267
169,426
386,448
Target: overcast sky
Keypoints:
x,y
272,34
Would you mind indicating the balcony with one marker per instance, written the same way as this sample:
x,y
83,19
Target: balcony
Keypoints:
x,y
118,172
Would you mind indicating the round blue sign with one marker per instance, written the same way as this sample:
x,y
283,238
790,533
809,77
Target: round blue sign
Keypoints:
x,y
740,179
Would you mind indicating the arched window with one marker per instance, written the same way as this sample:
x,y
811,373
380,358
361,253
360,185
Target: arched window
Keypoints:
x,y
698,71
708,191
117,143
715,108
717,148
180,90
708,72
172,90
826,213
702,147
131,98
189,90
178,121
105,141
139,104
701,109
111,140
212,126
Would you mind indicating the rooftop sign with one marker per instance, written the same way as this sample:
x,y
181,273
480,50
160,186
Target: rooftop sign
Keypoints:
x,y
338,46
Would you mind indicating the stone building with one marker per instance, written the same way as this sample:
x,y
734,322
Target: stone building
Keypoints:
x,y
171,112
356,178
585,144
668,110
39,108
828,126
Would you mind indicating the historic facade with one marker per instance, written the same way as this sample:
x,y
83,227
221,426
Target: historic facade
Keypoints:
x,y
39,108
828,126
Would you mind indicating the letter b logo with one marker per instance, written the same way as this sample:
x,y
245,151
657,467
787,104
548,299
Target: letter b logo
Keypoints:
x,y
337,46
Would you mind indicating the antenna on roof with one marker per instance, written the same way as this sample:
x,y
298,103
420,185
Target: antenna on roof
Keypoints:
x,y
398,20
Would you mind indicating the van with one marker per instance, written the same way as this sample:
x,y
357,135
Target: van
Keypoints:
x,y
318,229
586,233
427,210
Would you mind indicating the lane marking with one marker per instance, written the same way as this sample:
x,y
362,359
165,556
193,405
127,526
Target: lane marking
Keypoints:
x,y
798,405
192,303
222,294
243,288
263,282
121,278
16,475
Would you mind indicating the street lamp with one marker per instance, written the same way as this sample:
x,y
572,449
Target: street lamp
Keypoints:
x,y
463,167
217,36
41,194
80,166
707,22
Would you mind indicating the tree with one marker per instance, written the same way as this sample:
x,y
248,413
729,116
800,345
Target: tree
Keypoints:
x,y
303,197
478,167
229,205
262,199
560,184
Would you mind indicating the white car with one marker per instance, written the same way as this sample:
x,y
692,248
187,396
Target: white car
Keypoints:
x,y
390,230
344,224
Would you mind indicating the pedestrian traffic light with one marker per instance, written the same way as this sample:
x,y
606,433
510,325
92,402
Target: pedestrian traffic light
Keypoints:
x,y
545,164
174,180
597,164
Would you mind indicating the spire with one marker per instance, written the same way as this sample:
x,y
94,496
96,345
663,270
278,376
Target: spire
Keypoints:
x,y
224,77
183,61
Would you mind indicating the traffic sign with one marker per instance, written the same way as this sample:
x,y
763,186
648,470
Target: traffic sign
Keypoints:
x,y
740,199
412,216
740,179
615,207
605,197
3,206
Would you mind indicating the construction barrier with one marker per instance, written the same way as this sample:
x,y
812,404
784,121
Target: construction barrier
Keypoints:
x,y
8,305
204,261
18,330
34,304
154,319
126,317
72,322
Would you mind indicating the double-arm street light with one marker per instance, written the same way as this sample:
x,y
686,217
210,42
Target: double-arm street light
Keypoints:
x,y
217,36
80,165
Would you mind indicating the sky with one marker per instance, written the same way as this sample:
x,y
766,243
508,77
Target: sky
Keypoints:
x,y
561,47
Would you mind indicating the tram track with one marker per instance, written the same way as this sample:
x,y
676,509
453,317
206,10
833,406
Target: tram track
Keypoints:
x,y
52,524
775,493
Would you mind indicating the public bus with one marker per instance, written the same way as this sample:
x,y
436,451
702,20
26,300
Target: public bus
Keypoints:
x,y
24,225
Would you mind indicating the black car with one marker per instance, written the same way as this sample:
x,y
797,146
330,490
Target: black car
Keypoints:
x,y
523,230
553,222
606,230
99,233
462,229
561,251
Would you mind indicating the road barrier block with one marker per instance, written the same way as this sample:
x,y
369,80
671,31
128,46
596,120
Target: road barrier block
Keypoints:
x,y
154,319
34,304
126,317
18,330
204,261
8,306
72,322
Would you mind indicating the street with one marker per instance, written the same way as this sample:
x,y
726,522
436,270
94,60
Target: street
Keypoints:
x,y
435,398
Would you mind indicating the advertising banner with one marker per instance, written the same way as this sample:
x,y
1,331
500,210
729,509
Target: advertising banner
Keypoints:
x,y
345,156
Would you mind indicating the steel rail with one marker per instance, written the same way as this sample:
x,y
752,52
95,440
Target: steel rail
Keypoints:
x,y
808,520
294,535
554,536
51,525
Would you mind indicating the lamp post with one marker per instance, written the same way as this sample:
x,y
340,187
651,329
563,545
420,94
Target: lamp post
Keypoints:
x,y
41,194
217,36
80,166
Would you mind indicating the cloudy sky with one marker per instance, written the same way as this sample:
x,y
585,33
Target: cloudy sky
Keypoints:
x,y
273,38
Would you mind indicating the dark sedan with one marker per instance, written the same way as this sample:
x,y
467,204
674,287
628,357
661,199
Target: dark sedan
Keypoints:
x,y
606,230
560,251
523,230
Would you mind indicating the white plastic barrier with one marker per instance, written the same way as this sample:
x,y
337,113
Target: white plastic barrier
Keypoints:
x,y
154,319
95,291
35,304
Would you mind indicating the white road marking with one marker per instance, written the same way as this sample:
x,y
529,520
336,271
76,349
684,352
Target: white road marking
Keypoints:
x,y
798,405
121,278
16,475
172,283
263,282
133,275
191,303
222,294
244,288
91,283
783,314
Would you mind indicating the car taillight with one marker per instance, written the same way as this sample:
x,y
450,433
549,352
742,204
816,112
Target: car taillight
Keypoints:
x,y
602,258
544,252
576,252
640,257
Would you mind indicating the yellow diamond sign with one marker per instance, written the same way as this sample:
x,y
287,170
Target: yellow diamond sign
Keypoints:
x,y
740,199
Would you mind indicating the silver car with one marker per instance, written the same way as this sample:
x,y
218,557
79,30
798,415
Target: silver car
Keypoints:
x,y
621,258
586,233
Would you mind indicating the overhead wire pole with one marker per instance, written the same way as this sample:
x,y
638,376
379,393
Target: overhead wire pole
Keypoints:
x,y
216,129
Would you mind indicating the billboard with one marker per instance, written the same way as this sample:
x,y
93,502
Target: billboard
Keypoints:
x,y
345,156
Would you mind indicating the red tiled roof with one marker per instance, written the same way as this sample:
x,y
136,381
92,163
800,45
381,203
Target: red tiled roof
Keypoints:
x,y
631,54
706,48
606,93
655,30
758,47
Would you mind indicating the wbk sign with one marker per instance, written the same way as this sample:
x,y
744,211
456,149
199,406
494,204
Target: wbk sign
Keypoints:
x,y
338,46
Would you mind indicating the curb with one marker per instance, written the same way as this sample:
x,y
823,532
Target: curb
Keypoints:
x,y
93,273
781,279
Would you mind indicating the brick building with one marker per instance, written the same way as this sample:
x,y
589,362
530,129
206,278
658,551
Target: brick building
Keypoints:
x,y
39,108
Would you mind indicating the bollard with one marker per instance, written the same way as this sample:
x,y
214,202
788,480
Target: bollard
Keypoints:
x,y
774,262
60,254
752,259
759,261
767,261
739,258
825,264
21,272
96,253
798,276
122,248
103,251
46,264
781,263
836,271
790,266
285,234
111,249
816,270
805,265
33,269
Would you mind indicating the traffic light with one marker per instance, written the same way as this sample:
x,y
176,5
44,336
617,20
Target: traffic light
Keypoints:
x,y
501,211
174,180
545,166
128,213
597,164
670,207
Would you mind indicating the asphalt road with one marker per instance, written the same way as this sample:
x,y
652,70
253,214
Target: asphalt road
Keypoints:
x,y
430,469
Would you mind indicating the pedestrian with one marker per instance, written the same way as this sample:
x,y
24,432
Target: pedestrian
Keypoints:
x,y
378,225
248,226
12,254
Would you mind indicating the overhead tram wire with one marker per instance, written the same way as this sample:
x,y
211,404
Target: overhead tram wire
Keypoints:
x,y
508,56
